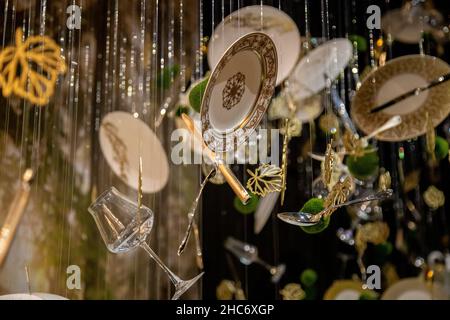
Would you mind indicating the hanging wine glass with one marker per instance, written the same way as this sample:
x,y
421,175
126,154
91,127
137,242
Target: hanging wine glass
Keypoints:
x,y
248,254
125,226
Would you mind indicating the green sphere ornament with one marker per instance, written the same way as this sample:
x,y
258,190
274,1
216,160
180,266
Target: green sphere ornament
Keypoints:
x,y
363,167
308,277
314,206
248,208
196,94
441,148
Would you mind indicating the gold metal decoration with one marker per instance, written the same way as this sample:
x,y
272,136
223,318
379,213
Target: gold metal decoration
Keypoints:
x,y
225,290
292,291
338,194
329,123
352,144
430,138
372,232
119,148
328,164
229,290
233,91
284,163
434,198
411,181
384,181
17,76
266,179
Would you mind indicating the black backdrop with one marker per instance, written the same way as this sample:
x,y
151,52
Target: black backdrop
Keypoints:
x,y
279,242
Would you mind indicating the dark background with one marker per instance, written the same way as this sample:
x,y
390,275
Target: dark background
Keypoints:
x,y
283,243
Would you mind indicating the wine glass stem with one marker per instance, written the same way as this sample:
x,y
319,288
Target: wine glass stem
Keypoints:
x,y
264,264
172,276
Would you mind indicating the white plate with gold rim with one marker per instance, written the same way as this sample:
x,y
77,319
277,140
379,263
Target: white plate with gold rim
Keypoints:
x,y
414,289
238,92
395,78
123,140
344,290
272,21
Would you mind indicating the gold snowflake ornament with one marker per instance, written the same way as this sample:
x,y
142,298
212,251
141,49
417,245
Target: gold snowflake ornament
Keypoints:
x,y
17,75
266,179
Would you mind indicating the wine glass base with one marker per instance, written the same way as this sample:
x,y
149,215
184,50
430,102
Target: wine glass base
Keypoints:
x,y
183,286
279,273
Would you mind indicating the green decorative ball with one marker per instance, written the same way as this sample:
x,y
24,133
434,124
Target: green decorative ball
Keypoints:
x,y
363,167
182,109
314,206
384,249
165,77
308,277
361,42
441,148
246,208
196,94
369,295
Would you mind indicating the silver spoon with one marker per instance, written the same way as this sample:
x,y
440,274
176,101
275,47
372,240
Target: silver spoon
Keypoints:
x,y
308,219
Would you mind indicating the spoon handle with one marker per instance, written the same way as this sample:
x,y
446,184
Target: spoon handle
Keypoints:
x,y
391,123
191,214
376,196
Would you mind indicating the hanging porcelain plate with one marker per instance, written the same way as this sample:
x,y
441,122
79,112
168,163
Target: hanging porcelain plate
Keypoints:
x,y
123,140
34,296
396,77
406,25
238,92
344,290
414,289
269,20
326,61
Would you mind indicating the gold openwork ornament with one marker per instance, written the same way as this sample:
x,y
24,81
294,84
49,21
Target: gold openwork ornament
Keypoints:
x,y
17,76
372,232
266,179
229,290
338,194
434,198
292,291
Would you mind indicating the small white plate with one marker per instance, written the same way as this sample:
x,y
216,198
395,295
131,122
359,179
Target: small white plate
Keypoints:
x,y
272,21
125,137
325,61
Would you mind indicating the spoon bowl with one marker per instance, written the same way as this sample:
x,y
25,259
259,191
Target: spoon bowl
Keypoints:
x,y
304,219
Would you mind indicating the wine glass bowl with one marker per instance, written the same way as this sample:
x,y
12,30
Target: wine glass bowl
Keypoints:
x,y
125,225
122,224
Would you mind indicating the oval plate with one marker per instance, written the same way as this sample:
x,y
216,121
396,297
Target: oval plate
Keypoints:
x,y
326,61
396,77
123,139
238,92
